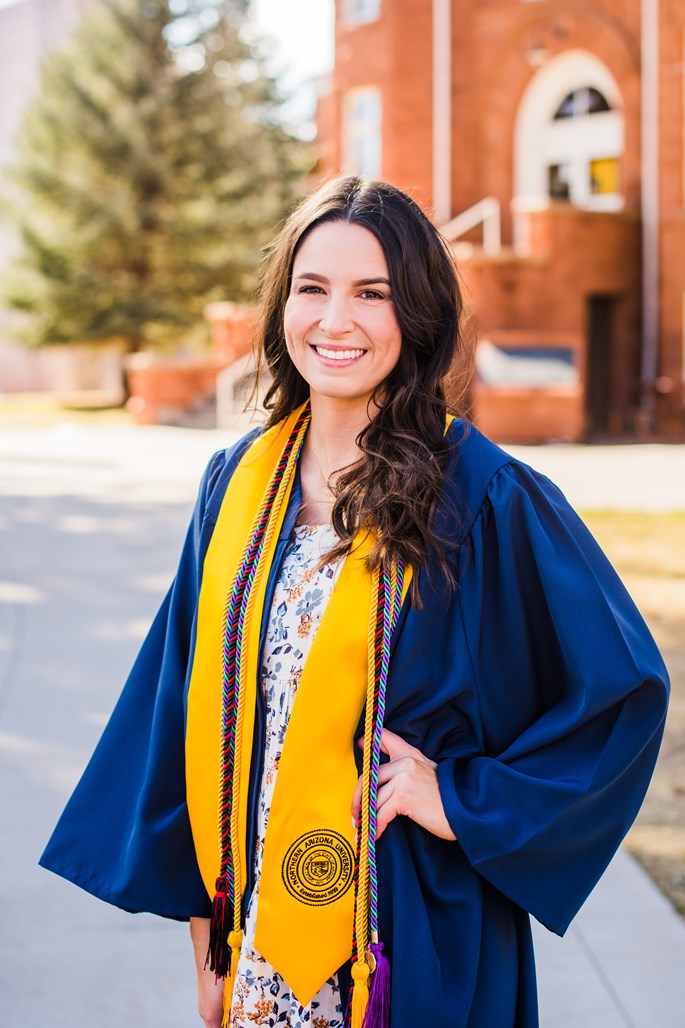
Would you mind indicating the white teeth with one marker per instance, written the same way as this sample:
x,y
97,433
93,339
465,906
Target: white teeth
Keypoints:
x,y
338,355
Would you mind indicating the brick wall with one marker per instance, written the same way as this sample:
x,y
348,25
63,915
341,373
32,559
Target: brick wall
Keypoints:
x,y
575,255
393,53
498,46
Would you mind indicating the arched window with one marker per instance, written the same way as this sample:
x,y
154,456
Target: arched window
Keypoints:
x,y
586,100
569,134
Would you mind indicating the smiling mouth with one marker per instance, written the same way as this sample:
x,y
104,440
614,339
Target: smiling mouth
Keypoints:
x,y
338,355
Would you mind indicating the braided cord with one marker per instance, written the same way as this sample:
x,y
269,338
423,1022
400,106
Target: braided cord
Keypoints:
x,y
237,610
384,613
245,619
389,607
382,624
232,608
361,926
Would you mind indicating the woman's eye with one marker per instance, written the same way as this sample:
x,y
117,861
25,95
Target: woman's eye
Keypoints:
x,y
373,294
309,289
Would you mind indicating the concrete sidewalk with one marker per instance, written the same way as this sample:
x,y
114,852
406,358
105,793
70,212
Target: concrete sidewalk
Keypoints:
x,y
92,525
622,962
648,476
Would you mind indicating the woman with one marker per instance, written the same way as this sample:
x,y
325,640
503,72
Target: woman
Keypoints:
x,y
452,656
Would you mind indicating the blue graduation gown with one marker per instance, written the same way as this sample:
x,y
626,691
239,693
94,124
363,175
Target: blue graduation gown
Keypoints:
x,y
535,686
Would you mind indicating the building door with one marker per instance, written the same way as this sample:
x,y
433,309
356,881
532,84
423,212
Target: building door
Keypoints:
x,y
598,391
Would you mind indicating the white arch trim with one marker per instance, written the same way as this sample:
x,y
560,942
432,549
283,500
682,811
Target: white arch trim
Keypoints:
x,y
535,129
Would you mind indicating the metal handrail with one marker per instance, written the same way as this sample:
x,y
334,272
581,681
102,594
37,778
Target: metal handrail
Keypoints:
x,y
486,212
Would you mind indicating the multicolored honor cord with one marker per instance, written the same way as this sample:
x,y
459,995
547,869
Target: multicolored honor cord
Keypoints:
x,y
369,1005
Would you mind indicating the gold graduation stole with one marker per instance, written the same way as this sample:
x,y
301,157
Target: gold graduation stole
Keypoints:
x,y
318,888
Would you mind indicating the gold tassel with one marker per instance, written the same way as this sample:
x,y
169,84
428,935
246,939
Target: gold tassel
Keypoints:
x,y
360,992
235,941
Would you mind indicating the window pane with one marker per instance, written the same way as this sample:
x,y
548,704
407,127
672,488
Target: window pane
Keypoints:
x,y
597,102
558,178
565,109
585,100
604,175
529,366
361,10
362,133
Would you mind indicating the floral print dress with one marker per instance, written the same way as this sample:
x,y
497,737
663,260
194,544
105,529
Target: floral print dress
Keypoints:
x,y
260,996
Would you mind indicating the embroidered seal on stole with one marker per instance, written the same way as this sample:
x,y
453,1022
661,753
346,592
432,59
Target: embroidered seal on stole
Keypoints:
x,y
318,867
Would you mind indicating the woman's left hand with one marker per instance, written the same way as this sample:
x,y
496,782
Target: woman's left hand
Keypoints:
x,y
407,784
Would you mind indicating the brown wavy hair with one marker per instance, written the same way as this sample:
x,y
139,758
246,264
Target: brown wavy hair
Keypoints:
x,y
397,484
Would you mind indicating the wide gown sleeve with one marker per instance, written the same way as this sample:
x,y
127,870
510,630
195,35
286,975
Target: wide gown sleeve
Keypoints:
x,y
125,834
573,696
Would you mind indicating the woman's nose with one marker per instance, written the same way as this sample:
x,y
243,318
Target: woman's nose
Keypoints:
x,y
336,319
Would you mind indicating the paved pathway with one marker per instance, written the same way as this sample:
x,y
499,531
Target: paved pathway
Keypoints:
x,y
648,477
92,522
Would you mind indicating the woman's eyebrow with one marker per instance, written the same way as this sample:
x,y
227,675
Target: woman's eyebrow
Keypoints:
x,y
359,282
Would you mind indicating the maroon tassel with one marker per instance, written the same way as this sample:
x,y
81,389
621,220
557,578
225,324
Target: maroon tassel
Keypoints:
x,y
219,926
378,1008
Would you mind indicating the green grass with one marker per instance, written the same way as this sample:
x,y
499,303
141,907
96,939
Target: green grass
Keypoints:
x,y
648,551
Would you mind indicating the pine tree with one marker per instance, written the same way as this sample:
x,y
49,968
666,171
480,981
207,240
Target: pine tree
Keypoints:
x,y
151,169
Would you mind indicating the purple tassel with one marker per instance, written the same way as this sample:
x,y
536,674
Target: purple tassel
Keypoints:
x,y
378,1008
218,952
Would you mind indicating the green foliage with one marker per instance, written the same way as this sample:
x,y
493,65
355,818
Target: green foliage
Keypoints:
x,y
151,169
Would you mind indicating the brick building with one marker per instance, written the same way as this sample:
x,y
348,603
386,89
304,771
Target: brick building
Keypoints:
x,y
546,137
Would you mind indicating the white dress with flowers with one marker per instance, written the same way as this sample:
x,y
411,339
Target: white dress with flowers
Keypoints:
x,y
260,996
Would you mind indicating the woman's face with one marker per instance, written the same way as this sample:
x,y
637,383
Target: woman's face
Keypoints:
x,y
340,325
